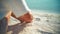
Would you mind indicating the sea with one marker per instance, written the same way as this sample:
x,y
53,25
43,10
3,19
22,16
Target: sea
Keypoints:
x,y
50,6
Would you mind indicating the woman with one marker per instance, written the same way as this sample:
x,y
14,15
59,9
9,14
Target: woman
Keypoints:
x,y
19,10
16,8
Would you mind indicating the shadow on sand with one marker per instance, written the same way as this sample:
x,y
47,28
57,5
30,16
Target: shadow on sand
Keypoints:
x,y
16,29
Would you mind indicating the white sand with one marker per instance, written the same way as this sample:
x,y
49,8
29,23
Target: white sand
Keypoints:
x,y
13,21
42,24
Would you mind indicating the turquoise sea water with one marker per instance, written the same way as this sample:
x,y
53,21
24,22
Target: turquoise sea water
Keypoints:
x,y
53,6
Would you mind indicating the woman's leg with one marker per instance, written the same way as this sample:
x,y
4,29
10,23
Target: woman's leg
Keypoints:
x,y
24,18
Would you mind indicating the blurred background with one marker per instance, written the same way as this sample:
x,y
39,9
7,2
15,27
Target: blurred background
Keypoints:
x,y
51,6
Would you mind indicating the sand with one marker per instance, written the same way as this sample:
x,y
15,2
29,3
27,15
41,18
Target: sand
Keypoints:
x,y
43,23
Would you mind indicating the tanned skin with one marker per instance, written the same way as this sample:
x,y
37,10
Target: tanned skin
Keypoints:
x,y
24,18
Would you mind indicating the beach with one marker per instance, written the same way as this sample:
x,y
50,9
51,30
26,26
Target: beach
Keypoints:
x,y
43,23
